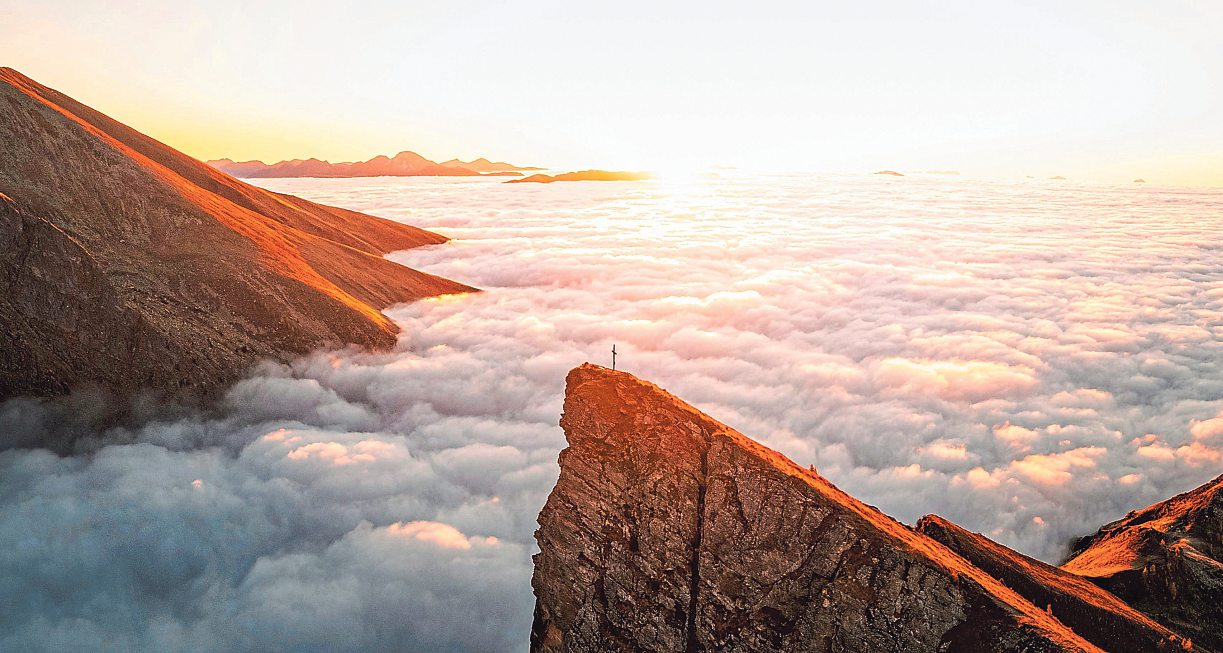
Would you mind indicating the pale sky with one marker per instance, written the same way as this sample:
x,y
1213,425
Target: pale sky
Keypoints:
x,y
1103,91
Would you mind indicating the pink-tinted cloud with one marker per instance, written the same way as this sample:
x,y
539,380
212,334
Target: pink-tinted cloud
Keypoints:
x,y
1030,361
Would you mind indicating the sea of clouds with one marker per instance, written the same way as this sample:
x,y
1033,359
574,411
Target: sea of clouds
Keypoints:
x,y
1029,359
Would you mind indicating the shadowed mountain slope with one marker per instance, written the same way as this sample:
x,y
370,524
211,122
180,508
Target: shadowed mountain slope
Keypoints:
x,y
1165,560
668,531
127,264
1098,616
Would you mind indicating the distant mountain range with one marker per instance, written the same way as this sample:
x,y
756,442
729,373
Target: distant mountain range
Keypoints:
x,y
485,166
404,164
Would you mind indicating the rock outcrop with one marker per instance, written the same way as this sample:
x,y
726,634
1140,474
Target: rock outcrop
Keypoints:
x,y
1166,560
668,531
583,175
129,265
1100,617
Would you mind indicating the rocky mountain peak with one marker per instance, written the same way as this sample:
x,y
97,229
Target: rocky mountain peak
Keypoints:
x,y
669,531
131,266
1165,560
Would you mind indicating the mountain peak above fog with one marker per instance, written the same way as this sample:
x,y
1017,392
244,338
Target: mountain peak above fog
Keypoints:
x,y
1167,560
127,264
408,155
668,530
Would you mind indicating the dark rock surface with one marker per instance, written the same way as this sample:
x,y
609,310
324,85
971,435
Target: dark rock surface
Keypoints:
x,y
131,266
1098,616
668,531
1166,560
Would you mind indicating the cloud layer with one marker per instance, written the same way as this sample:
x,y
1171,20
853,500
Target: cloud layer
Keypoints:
x,y
1029,360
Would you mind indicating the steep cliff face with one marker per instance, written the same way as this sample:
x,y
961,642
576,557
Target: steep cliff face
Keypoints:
x,y
668,531
1165,560
54,291
1095,614
127,264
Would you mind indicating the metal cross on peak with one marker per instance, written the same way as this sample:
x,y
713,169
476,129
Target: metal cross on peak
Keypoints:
x,y
613,358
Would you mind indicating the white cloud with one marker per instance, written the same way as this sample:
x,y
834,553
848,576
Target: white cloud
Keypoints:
x,y
1031,362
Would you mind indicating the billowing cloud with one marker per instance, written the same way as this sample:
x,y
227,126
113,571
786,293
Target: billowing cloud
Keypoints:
x,y
1028,361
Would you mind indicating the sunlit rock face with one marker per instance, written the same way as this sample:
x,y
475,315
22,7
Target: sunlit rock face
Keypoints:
x,y
1166,560
1098,616
668,531
128,265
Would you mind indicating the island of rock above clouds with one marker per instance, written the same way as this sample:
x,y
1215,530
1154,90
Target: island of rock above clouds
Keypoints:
x,y
668,531
583,175
129,265
404,164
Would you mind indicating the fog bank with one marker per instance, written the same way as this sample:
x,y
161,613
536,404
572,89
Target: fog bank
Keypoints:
x,y
1030,360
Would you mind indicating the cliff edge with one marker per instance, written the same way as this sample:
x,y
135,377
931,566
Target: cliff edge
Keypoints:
x,y
669,531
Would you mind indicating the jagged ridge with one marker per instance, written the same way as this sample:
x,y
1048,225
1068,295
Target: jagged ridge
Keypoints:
x,y
1165,560
1098,616
668,531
